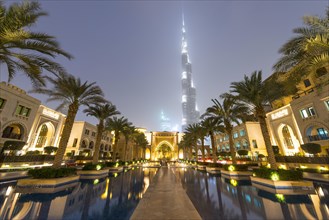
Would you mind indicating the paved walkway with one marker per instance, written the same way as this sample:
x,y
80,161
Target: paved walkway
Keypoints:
x,y
165,199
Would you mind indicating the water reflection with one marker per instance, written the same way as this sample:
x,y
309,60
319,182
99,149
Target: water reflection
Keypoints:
x,y
218,198
114,197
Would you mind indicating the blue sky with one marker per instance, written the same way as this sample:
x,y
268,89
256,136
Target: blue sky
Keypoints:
x,y
131,49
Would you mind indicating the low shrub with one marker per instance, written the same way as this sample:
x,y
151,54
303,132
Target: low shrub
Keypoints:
x,y
215,165
202,163
285,175
50,172
90,166
112,164
237,167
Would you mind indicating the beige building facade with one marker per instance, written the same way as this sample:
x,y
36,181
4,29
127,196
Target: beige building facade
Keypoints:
x,y
83,138
17,113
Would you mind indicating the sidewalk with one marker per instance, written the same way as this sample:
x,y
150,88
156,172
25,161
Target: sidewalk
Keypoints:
x,y
165,199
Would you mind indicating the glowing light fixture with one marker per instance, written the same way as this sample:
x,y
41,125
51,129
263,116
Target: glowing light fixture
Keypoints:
x,y
96,181
233,182
280,198
98,167
275,176
231,168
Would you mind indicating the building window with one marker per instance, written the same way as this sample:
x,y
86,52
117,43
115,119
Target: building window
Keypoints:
x,y
86,132
93,134
2,103
75,141
307,112
235,135
325,102
254,143
242,133
307,83
22,110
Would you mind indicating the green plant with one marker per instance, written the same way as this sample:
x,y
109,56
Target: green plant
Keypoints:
x,y
313,170
112,164
311,148
284,175
237,167
202,163
49,172
261,156
50,149
215,165
243,152
36,152
90,166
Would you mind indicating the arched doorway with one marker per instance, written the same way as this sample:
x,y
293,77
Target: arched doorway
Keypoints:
x,y
13,131
45,135
164,151
289,142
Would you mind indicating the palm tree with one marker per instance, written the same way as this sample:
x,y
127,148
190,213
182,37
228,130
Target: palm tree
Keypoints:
x,y
101,112
308,52
117,125
212,125
255,93
23,50
128,132
141,141
229,112
198,133
72,93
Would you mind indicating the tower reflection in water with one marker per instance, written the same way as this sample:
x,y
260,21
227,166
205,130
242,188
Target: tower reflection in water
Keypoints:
x,y
114,197
218,198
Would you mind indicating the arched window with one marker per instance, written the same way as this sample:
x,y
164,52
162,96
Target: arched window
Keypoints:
x,y
42,137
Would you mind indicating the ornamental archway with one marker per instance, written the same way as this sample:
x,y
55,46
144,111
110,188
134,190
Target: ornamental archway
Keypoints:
x,y
164,145
164,151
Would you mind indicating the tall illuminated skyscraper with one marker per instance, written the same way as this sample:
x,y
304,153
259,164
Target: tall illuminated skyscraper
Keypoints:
x,y
190,109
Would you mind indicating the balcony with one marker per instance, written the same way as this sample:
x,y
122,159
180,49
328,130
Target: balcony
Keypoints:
x,y
317,137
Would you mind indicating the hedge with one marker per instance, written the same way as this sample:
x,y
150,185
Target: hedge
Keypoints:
x,y
90,166
238,167
49,172
285,175
215,165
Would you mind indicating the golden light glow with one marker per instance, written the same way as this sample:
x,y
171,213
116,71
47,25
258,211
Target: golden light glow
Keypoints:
x,y
115,175
147,154
280,198
104,195
98,167
233,182
322,168
231,168
303,167
96,181
282,166
275,176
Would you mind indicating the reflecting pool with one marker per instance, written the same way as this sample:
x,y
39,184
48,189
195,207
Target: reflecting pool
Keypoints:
x,y
113,197
218,198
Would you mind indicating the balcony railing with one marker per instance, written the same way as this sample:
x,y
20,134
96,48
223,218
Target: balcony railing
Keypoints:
x,y
317,137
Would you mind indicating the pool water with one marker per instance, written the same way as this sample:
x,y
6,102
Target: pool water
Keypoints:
x,y
113,197
117,196
218,198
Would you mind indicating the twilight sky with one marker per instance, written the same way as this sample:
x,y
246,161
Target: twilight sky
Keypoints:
x,y
132,49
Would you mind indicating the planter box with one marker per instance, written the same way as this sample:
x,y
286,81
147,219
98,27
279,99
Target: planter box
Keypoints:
x,y
115,169
237,175
283,187
201,167
54,185
214,170
316,176
92,174
11,176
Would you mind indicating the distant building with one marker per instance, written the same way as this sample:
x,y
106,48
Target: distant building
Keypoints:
x,y
190,111
165,122
247,136
83,138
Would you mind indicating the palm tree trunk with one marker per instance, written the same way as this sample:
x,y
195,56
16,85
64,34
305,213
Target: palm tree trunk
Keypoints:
x,y
214,148
124,153
267,140
115,147
230,138
100,128
202,148
73,109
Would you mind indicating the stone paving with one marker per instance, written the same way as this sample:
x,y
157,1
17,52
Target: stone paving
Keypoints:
x,y
165,199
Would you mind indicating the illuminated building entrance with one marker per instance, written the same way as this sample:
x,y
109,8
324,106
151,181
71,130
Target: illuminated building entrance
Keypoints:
x,y
164,145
